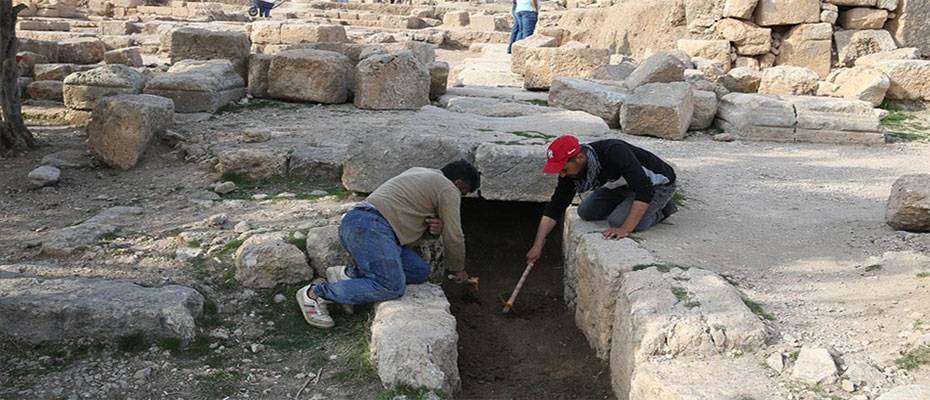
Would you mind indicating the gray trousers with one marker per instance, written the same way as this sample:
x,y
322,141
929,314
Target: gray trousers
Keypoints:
x,y
614,206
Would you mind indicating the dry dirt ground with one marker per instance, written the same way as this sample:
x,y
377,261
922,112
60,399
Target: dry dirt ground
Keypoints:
x,y
799,227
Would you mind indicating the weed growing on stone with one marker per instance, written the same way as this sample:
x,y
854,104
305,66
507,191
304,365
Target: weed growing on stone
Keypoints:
x,y
730,279
533,135
661,267
873,268
679,199
194,244
301,243
914,358
302,189
794,355
923,274
757,309
108,237
408,392
538,102
230,248
685,297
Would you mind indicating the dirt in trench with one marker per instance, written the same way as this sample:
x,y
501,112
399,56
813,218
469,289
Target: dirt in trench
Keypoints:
x,y
536,352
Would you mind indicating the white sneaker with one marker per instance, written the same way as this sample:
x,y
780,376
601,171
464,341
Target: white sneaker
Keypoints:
x,y
314,310
336,274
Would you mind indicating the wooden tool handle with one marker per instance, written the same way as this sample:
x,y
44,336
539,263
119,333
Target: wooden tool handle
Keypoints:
x,y
516,290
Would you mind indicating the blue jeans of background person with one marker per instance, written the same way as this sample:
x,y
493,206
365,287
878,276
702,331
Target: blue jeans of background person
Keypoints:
x,y
264,8
383,267
514,32
527,23
614,206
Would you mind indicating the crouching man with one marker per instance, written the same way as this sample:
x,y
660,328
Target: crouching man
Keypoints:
x,y
630,187
378,232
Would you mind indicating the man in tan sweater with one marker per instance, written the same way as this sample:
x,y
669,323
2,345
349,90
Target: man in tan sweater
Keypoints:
x,y
378,231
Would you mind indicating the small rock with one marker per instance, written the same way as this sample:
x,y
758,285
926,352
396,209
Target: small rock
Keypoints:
x,y
256,136
285,195
814,366
298,235
220,333
242,227
184,253
724,137
256,347
319,193
225,187
279,298
260,196
217,220
776,361
44,176
143,373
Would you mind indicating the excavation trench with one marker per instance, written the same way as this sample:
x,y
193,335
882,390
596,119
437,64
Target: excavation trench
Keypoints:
x,y
535,352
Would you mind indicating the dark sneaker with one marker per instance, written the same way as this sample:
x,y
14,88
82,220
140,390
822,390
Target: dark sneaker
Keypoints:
x,y
668,210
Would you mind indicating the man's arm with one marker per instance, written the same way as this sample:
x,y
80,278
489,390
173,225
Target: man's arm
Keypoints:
x,y
555,209
546,225
452,237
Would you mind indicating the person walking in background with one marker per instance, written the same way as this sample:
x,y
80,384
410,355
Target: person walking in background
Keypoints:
x,y
515,27
525,15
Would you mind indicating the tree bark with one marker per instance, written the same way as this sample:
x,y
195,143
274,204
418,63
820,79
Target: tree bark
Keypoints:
x,y
13,132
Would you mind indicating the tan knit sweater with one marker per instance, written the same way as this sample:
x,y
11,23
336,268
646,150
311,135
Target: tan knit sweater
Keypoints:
x,y
406,200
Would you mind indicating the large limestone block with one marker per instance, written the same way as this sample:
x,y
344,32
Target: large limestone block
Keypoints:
x,y
414,341
321,165
122,126
187,43
513,173
705,109
37,310
660,67
594,270
910,79
698,378
905,53
589,96
66,241
908,392
741,9
814,366
910,28
129,56
853,44
860,83
658,109
787,12
199,86
490,107
543,64
742,80
909,203
519,49
788,79
438,79
863,18
312,33
57,72
265,32
396,81
116,27
747,38
81,51
488,23
253,162
259,64
83,89
714,50
808,46
756,117
45,90
264,261
309,75
830,120
455,19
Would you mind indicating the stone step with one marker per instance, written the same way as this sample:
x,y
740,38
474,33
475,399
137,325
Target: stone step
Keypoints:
x,y
37,310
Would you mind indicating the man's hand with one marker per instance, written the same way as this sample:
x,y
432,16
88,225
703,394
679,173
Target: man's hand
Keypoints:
x,y
616,233
459,276
533,255
434,225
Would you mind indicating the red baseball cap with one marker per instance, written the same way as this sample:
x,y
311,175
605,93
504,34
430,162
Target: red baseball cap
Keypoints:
x,y
561,150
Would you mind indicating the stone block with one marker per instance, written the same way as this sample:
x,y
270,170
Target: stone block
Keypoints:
x,y
519,47
116,28
863,18
660,67
808,46
122,127
741,9
910,79
46,90
756,117
199,86
82,90
747,38
910,28
456,19
543,64
438,79
658,109
906,53
488,23
787,12
312,33
742,80
310,75
266,260
396,81
81,51
787,79
714,50
705,109
839,121
130,56
860,83
594,98
908,206
259,64
513,173
814,366
187,43
853,44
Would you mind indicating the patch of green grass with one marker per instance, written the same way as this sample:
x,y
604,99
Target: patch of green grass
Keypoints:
x,y
411,393
679,199
229,248
348,341
757,309
685,297
904,126
133,343
873,268
484,130
219,384
108,237
661,267
259,104
730,279
794,355
194,243
923,274
301,243
538,102
914,358
533,135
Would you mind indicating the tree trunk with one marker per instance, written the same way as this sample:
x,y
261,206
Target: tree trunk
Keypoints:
x,y
13,132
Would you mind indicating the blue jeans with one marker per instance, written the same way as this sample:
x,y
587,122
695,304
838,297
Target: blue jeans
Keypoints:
x,y
264,8
614,206
383,267
514,32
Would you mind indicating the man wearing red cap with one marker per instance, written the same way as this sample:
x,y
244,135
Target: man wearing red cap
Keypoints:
x,y
630,187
